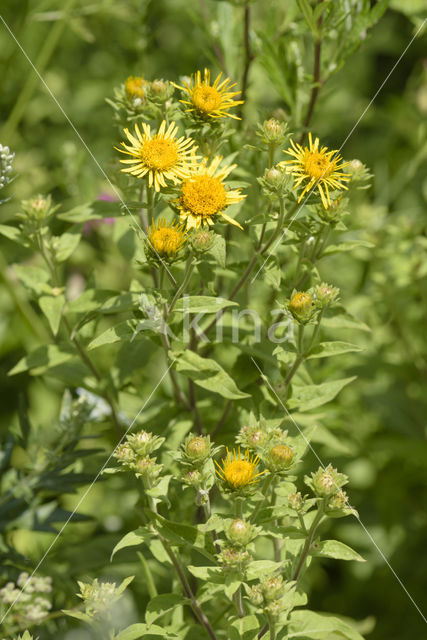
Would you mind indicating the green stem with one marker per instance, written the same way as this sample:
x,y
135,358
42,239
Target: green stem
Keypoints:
x,y
195,606
272,627
308,542
265,488
187,275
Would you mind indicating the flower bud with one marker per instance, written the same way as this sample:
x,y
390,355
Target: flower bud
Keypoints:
x,y
202,240
302,306
272,587
255,595
338,502
198,448
124,453
134,87
233,557
275,608
296,501
161,90
239,532
192,478
327,482
280,457
38,207
252,437
325,294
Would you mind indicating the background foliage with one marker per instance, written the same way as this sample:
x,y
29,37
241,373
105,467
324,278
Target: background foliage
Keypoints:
x,y
85,50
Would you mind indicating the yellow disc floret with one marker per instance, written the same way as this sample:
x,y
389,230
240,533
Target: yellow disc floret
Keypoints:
x,y
210,100
316,168
238,472
166,239
204,195
160,156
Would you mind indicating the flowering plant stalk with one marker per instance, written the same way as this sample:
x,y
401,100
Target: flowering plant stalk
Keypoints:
x,y
224,296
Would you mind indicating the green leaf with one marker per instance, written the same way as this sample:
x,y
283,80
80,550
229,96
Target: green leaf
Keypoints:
x,y
34,278
258,568
77,614
307,12
309,625
207,374
13,233
202,304
132,539
126,330
140,630
244,628
272,272
315,395
335,549
218,250
43,358
159,605
342,319
91,211
347,246
335,348
52,308
66,244
125,583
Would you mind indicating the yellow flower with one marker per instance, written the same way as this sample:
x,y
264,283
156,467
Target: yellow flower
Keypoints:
x,y
316,168
210,100
134,86
203,195
160,155
238,472
166,239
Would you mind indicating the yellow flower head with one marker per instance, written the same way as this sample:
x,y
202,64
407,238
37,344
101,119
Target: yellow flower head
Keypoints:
x,y
204,196
238,472
166,239
159,155
134,86
210,100
315,167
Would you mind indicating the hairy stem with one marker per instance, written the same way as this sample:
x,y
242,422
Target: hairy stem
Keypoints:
x,y
308,542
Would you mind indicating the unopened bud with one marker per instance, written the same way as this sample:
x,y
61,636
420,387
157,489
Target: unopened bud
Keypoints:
x,y
197,448
192,478
202,240
255,595
233,557
302,306
280,457
325,295
327,482
296,501
239,532
272,587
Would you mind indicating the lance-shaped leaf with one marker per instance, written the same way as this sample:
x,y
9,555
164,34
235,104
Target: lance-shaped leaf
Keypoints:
x,y
202,304
335,549
207,374
314,395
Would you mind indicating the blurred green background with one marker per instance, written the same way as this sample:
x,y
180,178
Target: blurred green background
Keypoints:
x,y
83,50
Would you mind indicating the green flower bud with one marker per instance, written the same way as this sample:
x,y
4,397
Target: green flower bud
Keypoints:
x,y
327,482
275,608
255,595
272,587
147,467
274,131
202,240
325,294
302,306
296,501
198,448
280,457
38,207
239,532
338,502
233,557
124,453
192,478
252,437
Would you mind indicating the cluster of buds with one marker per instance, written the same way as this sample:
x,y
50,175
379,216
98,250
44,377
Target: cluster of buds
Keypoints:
x,y
276,181
325,295
302,306
195,456
29,605
134,454
137,96
269,595
234,557
6,159
326,482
